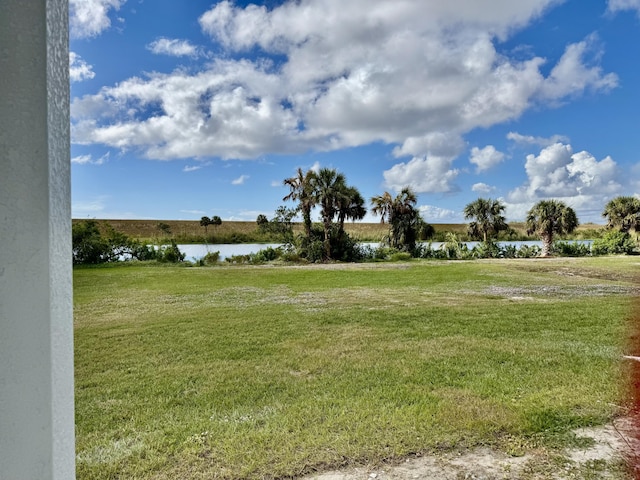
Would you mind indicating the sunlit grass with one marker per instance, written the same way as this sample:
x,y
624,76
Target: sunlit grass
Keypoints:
x,y
253,372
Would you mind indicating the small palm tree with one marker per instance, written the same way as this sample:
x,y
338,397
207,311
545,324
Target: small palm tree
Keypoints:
x,y
487,216
302,190
402,216
623,213
549,217
329,188
382,206
350,207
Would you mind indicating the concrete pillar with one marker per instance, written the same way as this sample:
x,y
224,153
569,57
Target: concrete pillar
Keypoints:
x,y
36,321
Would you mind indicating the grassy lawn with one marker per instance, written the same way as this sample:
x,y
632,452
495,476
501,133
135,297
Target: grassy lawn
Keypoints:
x,y
262,372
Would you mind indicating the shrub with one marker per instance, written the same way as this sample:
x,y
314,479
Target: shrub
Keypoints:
x,y
267,255
170,254
401,257
211,258
488,249
571,249
528,251
612,243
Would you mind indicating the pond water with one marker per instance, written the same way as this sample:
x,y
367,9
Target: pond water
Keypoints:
x,y
197,251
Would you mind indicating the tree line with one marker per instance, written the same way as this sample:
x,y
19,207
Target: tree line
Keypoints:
x,y
338,202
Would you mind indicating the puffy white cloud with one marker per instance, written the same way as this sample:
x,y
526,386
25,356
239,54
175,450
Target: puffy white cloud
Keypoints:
x,y
441,215
482,188
574,73
578,179
428,174
414,74
173,47
617,5
89,18
191,168
240,180
485,158
79,69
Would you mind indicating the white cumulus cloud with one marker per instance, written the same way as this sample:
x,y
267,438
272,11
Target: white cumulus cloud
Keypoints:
x,y
79,69
89,18
482,188
412,74
577,178
617,5
173,47
486,158
435,214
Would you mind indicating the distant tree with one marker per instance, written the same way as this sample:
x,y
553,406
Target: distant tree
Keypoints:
x,y
623,213
216,221
262,221
164,228
205,222
549,217
487,218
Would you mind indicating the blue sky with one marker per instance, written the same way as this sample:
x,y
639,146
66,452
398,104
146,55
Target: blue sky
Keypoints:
x,y
181,109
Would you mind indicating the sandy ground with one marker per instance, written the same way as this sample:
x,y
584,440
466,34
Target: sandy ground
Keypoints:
x,y
603,459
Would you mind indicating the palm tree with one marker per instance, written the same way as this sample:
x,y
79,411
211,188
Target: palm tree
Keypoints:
x,y
404,220
549,217
350,207
382,206
301,186
205,222
329,188
624,213
487,218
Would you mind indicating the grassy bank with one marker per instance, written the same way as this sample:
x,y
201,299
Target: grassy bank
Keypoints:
x,y
270,372
190,231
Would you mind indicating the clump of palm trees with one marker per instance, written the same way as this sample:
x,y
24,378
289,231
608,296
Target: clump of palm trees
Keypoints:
x,y
338,202
406,225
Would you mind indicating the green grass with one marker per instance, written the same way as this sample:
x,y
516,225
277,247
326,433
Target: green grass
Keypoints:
x,y
269,372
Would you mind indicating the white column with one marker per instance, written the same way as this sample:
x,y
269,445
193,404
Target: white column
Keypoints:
x,y
36,320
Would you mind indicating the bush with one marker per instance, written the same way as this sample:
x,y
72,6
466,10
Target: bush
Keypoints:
x,y
529,251
211,258
614,242
571,249
401,257
170,254
487,249
268,254
92,244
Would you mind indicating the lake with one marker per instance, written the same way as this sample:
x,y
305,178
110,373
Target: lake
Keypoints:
x,y
197,251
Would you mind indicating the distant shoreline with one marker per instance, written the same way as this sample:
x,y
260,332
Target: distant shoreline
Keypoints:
x,y
190,231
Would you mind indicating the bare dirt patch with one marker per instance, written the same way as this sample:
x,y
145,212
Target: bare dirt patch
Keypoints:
x,y
604,458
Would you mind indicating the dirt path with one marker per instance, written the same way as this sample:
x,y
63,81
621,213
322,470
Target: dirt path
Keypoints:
x,y
603,459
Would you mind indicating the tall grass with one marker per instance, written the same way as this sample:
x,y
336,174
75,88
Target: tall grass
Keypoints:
x,y
190,231
271,372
